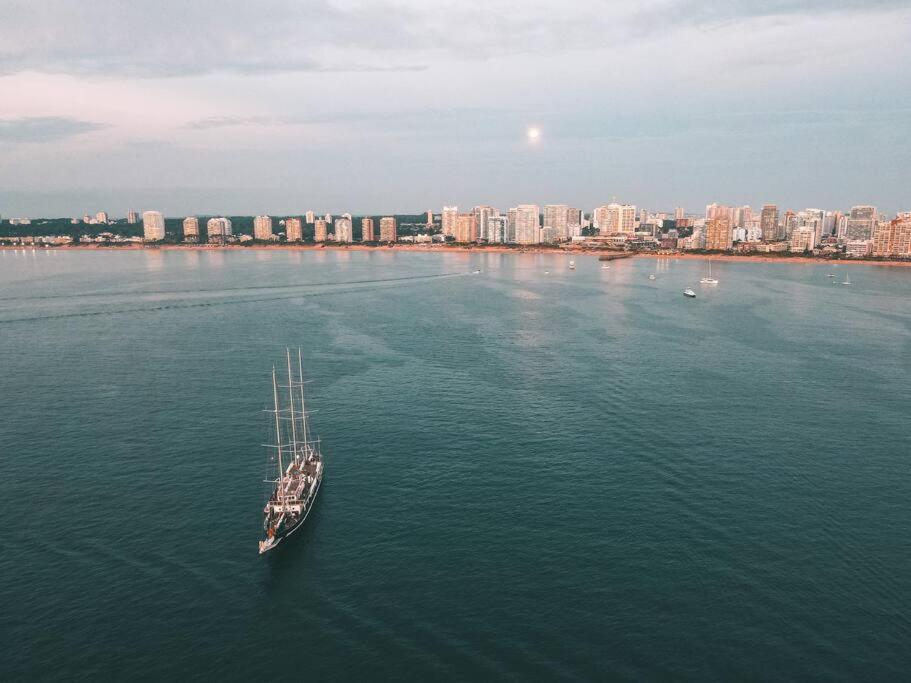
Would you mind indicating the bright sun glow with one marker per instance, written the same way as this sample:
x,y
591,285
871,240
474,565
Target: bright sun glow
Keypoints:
x,y
533,134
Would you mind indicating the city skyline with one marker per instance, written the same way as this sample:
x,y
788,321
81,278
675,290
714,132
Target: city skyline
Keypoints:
x,y
228,108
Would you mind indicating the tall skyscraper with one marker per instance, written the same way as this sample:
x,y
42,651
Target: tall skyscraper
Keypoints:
x,y
152,226
679,213
388,229
367,234
294,230
556,216
310,217
343,230
893,238
429,218
718,233
511,225
497,229
466,229
768,223
320,230
101,217
528,224
132,217
218,229
600,219
616,219
262,228
449,219
861,223
191,229
482,215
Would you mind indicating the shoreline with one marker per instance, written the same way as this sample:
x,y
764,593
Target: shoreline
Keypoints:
x,y
423,248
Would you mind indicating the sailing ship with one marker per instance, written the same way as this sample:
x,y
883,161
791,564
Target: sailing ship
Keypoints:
x,y
847,280
297,458
709,280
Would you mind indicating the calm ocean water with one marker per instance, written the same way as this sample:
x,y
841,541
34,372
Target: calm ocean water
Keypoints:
x,y
573,475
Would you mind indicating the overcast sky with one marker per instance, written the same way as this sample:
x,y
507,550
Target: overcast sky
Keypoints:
x,y
277,106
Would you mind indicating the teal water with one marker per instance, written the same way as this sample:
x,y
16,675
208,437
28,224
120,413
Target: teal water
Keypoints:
x,y
576,475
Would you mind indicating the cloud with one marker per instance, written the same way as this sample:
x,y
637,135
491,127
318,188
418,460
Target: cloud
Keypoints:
x,y
211,122
169,38
39,129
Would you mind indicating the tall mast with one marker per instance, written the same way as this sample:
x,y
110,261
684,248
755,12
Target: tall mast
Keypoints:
x,y
304,427
278,438
291,397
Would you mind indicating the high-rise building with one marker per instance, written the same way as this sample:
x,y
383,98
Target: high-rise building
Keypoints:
x,y
743,215
388,229
152,226
556,216
343,230
497,229
790,224
627,219
803,239
367,234
132,217
294,230
101,217
482,215
861,223
511,225
768,223
600,219
218,229
449,219
320,230
528,224
191,229
718,233
310,217
262,228
679,213
893,238
466,229
429,218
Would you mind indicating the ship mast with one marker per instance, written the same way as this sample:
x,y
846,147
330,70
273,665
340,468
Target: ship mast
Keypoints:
x,y
291,397
304,427
278,438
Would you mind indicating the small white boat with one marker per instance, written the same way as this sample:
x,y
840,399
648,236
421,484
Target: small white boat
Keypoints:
x,y
605,267
830,274
651,277
847,280
689,292
572,265
547,272
477,270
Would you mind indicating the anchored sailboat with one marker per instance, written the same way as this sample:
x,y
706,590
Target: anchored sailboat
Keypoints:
x,y
709,280
298,460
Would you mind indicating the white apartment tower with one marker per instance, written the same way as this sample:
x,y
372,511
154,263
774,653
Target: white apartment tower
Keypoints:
x,y
191,229
450,219
343,230
262,228
528,224
152,226
294,230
